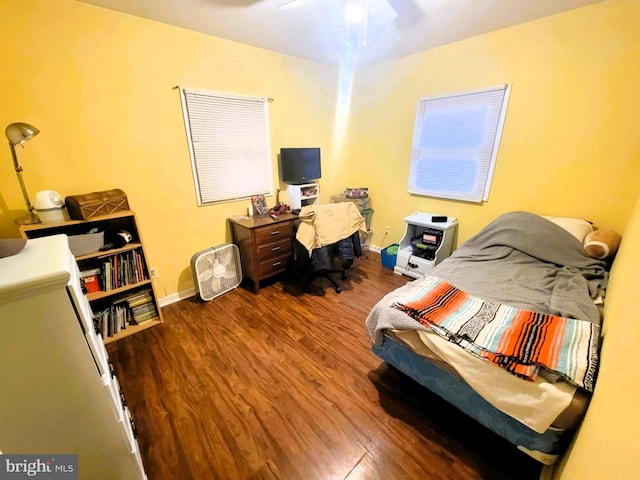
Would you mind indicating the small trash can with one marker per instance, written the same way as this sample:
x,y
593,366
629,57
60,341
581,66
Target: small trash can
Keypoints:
x,y
389,255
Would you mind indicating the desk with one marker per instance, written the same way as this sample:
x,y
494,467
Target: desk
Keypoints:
x,y
266,245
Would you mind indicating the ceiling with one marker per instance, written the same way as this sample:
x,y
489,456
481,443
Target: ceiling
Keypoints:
x,y
315,29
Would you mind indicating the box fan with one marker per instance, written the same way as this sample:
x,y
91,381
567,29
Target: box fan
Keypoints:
x,y
216,270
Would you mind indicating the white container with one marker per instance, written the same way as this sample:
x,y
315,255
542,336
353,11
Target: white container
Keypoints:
x,y
49,205
86,243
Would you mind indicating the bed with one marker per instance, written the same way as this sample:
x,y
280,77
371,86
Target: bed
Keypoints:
x,y
507,329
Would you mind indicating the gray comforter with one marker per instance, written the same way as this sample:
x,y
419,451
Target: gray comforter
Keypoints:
x,y
519,259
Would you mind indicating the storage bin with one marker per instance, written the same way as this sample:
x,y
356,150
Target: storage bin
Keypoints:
x,y
389,255
85,244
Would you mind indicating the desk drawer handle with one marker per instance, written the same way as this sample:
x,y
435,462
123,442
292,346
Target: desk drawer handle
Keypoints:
x,y
275,249
275,232
277,264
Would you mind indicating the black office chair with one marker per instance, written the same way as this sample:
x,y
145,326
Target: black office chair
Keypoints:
x,y
321,262
325,232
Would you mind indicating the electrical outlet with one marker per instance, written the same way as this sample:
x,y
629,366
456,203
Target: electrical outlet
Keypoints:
x,y
386,229
153,271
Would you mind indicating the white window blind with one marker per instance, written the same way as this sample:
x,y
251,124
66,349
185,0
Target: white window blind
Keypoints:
x,y
455,144
229,145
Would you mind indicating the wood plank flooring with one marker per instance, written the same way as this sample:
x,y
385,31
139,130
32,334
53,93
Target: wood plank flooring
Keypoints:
x,y
283,385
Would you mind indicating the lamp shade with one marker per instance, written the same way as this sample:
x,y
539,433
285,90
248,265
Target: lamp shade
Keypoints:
x,y
20,132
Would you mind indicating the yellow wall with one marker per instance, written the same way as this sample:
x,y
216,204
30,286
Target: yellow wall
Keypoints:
x,y
569,145
606,444
99,86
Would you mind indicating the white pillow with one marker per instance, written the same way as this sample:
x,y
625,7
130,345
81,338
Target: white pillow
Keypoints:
x,y
577,227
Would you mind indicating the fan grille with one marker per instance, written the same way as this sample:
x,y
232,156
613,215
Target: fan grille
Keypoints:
x,y
216,270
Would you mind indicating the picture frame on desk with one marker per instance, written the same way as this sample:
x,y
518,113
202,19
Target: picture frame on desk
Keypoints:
x,y
259,205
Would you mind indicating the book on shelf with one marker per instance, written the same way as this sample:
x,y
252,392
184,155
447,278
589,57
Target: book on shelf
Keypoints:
x,y
122,269
126,310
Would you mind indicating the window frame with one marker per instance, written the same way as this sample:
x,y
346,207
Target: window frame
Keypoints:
x,y
480,161
207,145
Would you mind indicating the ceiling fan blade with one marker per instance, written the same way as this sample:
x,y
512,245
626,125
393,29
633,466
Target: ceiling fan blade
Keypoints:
x,y
408,12
381,11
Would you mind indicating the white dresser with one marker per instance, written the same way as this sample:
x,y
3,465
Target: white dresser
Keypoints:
x,y
57,392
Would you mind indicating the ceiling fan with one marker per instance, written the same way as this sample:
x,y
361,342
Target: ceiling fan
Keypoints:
x,y
357,16
354,10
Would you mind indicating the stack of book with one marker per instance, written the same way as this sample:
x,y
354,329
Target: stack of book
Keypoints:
x,y
142,306
128,310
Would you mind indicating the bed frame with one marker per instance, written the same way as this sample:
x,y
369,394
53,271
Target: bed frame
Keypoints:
x,y
546,447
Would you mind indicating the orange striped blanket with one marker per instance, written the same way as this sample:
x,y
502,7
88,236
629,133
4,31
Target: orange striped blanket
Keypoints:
x,y
520,341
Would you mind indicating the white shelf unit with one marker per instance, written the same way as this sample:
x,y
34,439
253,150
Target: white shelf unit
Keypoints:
x,y
425,243
59,392
303,195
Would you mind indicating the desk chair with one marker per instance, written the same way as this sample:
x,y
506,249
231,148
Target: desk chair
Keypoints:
x,y
327,232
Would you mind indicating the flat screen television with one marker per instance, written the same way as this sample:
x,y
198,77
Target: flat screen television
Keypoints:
x,y
300,165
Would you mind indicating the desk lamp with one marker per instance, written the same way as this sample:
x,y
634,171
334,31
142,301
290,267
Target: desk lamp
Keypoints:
x,y
18,133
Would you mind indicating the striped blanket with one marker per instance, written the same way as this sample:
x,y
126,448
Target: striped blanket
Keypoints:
x,y
520,341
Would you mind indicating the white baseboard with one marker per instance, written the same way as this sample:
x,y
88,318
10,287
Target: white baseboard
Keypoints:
x,y
375,248
191,292
176,297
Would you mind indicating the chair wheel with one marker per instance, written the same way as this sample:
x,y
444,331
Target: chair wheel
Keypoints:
x,y
338,289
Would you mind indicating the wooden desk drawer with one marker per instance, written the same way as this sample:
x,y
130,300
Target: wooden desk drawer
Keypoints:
x,y
268,250
274,232
273,265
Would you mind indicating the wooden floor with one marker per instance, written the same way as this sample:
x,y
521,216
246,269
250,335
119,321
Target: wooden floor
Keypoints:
x,y
283,385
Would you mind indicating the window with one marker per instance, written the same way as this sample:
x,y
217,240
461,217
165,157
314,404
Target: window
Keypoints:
x,y
455,144
229,145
